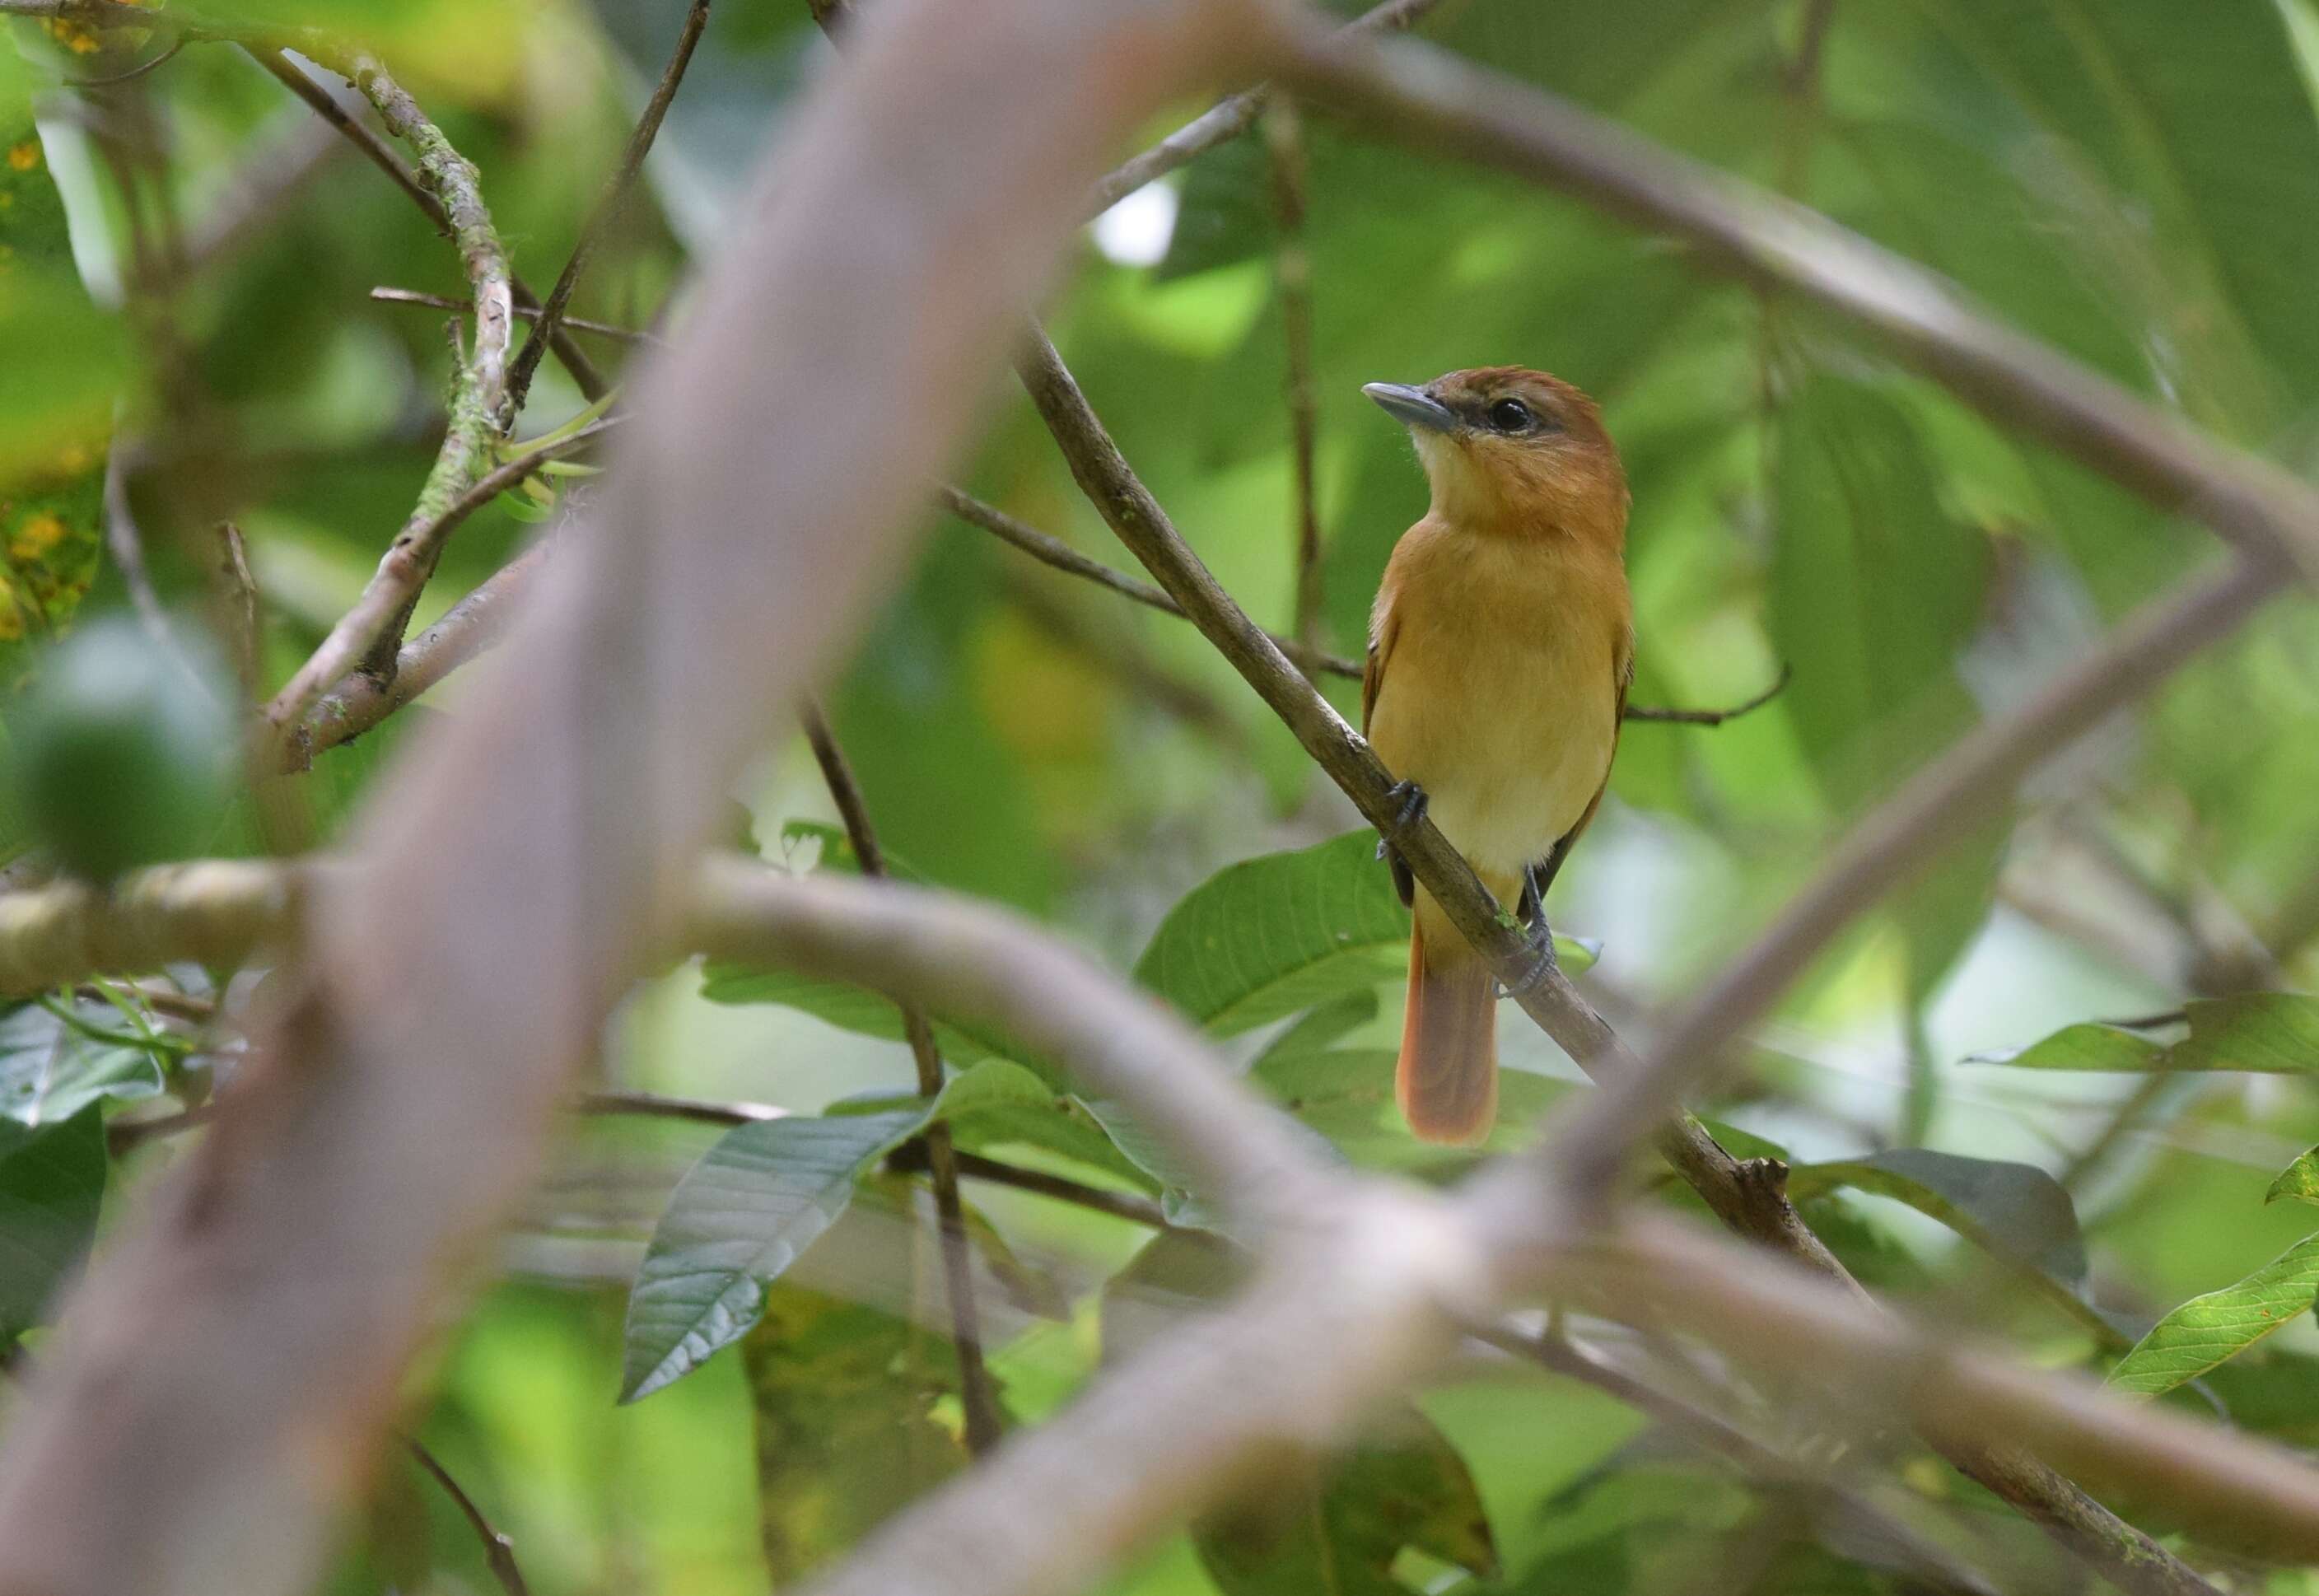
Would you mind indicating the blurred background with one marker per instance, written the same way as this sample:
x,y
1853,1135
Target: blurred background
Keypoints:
x,y
2136,182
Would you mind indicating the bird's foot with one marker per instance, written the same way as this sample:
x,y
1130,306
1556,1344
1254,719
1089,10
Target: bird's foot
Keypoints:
x,y
1543,963
1409,810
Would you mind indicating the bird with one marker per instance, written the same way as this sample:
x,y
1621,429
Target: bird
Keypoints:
x,y
1501,648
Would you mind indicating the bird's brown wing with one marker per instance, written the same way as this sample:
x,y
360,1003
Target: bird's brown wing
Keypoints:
x,y
1383,633
1382,636
1622,674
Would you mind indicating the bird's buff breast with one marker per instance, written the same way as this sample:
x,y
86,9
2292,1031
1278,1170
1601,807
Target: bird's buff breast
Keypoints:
x,y
1500,700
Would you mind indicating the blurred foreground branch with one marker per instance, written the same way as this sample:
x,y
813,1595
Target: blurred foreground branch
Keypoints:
x,y
522,860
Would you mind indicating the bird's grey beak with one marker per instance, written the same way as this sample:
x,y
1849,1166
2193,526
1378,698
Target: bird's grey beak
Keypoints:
x,y
1413,405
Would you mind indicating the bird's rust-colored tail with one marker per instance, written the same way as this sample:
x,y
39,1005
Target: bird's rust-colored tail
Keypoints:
x,y
1447,1081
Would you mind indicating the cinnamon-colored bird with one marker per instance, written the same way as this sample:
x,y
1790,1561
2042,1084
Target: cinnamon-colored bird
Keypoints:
x,y
1500,652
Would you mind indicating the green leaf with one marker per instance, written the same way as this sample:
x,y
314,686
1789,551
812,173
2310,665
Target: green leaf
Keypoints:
x,y
2087,1046
756,1200
2256,1032
1874,589
2215,1328
51,1184
2015,1212
844,1397
1224,210
2299,1180
1272,935
2262,1033
51,1070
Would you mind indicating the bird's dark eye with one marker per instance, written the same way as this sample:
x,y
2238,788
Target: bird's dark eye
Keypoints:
x,y
1511,415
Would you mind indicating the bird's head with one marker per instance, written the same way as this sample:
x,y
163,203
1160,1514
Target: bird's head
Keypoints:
x,y
1515,451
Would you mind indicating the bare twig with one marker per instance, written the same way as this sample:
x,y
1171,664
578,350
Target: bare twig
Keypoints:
x,y
700,1111
125,543
1228,118
607,208
984,1423
590,382
131,74
1284,134
235,591
1712,716
523,312
1127,1206
395,585
1053,551
1414,91
499,1551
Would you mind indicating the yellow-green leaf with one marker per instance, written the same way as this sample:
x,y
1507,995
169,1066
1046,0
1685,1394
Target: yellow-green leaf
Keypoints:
x,y
2213,1328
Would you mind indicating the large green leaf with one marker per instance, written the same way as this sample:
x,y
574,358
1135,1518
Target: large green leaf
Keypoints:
x,y
2015,1212
51,1182
2256,1032
762,1195
1280,933
1875,588
742,1216
2172,151
2215,1328
844,1397
50,1070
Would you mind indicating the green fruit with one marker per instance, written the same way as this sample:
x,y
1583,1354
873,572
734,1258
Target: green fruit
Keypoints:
x,y
123,751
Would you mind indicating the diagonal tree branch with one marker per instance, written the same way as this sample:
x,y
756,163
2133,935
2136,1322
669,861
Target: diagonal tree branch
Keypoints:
x,y
1228,118
607,208
984,1423
499,1551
